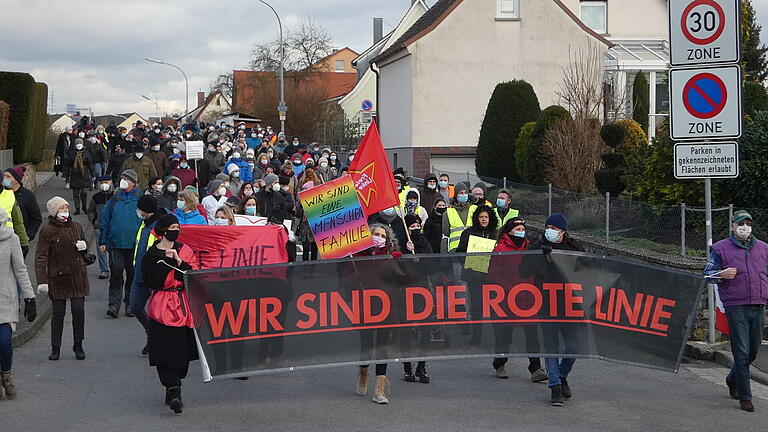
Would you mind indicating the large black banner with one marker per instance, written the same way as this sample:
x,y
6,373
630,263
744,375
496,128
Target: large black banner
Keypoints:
x,y
366,310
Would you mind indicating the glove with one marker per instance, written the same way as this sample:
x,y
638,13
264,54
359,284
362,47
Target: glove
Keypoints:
x,y
81,245
24,251
546,249
42,289
30,309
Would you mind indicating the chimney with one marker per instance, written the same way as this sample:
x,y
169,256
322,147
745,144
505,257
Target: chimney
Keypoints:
x,y
200,98
378,29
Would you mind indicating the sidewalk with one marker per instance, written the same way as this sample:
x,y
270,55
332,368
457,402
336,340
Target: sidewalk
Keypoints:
x,y
48,187
721,353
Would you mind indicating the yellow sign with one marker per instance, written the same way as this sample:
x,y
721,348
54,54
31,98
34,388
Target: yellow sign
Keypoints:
x,y
479,244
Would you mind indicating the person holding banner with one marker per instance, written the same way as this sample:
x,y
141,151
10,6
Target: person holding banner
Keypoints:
x,y
171,338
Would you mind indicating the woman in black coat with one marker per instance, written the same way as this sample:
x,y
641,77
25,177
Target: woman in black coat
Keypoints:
x,y
433,227
77,169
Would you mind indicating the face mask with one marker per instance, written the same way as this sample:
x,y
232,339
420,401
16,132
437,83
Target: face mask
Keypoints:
x,y
248,192
253,135
379,242
172,188
158,188
184,165
189,135
78,146
180,204
251,165
235,155
443,184
333,158
415,232
432,186
212,149
256,190
156,148
139,155
81,135
236,174
744,231
63,216
439,211
123,135
552,235
7,183
296,143
210,128
462,198
250,211
323,165
297,162
124,184
501,203
412,202
221,191
264,161
221,222
284,188
276,187
140,214
171,235
520,234
351,158
104,186
157,131
271,155
389,211
241,127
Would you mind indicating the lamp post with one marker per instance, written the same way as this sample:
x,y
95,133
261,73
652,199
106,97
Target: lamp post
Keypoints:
x,y
157,106
282,107
186,81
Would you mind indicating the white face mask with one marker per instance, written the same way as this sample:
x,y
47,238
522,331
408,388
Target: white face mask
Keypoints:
x,y
276,187
158,188
222,191
78,146
172,188
235,155
323,164
124,184
81,135
743,231
63,216
431,186
104,186
139,155
221,222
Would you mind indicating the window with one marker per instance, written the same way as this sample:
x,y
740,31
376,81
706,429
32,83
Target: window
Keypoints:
x,y
508,9
594,15
339,65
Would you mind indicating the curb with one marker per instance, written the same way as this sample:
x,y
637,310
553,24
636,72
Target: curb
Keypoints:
x,y
718,353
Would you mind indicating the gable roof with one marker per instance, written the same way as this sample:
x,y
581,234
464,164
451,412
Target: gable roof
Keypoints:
x,y
195,113
440,10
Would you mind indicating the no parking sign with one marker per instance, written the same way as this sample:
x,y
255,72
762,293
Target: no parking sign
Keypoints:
x,y
706,103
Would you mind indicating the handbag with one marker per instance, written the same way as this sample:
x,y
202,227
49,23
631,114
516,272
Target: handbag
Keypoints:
x,y
88,258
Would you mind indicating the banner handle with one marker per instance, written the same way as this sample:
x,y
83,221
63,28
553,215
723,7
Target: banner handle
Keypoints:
x,y
178,270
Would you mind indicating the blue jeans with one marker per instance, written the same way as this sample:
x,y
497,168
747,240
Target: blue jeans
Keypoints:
x,y
139,297
559,368
103,258
96,170
6,348
746,325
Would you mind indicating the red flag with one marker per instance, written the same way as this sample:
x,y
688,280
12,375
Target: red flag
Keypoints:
x,y
372,174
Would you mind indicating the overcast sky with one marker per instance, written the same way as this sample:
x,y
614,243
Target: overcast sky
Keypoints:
x,y
91,52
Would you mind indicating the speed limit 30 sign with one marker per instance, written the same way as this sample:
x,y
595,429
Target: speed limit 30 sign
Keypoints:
x,y
704,32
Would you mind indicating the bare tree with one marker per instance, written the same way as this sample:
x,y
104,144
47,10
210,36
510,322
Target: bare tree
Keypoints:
x,y
224,83
573,149
304,46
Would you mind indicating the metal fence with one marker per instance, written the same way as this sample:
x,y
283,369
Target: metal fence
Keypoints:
x,y
666,230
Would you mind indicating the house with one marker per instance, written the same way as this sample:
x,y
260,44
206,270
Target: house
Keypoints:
x,y
338,61
209,108
436,79
234,118
127,120
365,89
59,122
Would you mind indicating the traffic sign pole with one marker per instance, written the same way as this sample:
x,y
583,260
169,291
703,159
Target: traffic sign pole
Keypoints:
x,y
710,287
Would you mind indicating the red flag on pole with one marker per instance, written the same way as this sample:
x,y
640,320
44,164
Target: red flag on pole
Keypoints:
x,y
372,175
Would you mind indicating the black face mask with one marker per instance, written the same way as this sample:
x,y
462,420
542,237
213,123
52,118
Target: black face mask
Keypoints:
x,y
415,233
439,211
172,235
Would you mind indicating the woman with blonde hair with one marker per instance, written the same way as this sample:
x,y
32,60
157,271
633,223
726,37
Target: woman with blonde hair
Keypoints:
x,y
224,217
187,211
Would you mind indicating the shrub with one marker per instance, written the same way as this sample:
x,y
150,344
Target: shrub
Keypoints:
x,y
640,100
586,214
27,120
613,134
5,110
635,149
750,189
573,149
610,178
524,148
537,163
755,98
512,104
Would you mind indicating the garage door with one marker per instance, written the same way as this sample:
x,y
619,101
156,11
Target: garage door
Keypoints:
x,y
456,164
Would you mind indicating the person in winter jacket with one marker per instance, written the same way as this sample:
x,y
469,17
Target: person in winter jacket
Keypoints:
x,y
119,223
738,265
479,193
184,173
235,182
144,167
13,272
217,197
433,227
171,343
99,155
187,210
392,217
77,168
260,167
171,188
95,207
457,218
293,183
446,189
149,213
237,160
160,159
304,232
297,163
505,271
271,200
429,192
62,274
26,199
62,147
215,160
155,187
413,204
116,160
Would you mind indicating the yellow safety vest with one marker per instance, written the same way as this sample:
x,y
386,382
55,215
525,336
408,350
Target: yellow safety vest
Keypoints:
x,y
151,239
458,226
7,201
512,213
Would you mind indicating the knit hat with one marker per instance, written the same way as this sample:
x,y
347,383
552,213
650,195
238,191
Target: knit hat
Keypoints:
x,y
223,177
130,175
193,190
322,159
270,179
462,186
411,219
165,221
17,172
232,168
54,204
557,220
104,178
284,181
147,204
214,186
512,223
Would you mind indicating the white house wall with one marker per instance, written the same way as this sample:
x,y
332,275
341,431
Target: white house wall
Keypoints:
x,y
396,101
629,18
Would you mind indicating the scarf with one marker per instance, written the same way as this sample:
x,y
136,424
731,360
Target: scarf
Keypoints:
x,y
78,165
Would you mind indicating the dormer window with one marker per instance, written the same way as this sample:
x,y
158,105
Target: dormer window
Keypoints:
x,y
507,9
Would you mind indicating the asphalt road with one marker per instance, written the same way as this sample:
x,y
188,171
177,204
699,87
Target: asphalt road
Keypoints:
x,y
114,389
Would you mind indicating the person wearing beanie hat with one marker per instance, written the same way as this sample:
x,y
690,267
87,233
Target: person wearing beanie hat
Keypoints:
x,y
245,172
323,170
433,226
457,218
171,343
119,224
25,199
479,192
60,251
148,211
271,200
271,179
143,167
504,270
77,171
217,197
95,208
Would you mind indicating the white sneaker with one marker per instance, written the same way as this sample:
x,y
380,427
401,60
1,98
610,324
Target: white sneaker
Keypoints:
x,y
501,372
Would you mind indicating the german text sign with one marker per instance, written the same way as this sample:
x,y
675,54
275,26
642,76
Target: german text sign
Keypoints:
x,y
704,160
337,220
706,103
704,32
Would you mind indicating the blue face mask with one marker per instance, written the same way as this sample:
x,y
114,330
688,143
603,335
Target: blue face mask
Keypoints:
x,y
7,183
389,211
180,204
501,203
443,184
250,211
463,198
552,235
520,234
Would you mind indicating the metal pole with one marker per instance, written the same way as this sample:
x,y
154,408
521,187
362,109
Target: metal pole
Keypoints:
x,y
186,84
730,215
282,107
682,229
505,182
549,208
710,287
607,216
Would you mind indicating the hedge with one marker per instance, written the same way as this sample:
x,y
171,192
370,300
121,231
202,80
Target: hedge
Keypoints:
x,y
5,110
27,119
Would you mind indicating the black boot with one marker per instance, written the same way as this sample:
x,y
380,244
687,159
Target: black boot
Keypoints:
x,y
78,349
77,212
55,351
175,399
421,372
408,372
167,396
566,388
557,396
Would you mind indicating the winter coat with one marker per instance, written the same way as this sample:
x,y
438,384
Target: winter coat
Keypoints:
x,y
58,263
212,204
99,153
215,162
433,231
62,145
246,174
161,162
420,211
168,304
116,162
13,272
119,221
750,286
78,178
549,272
269,202
168,199
505,269
96,206
192,218
397,225
30,211
259,171
489,232
144,167
185,175
428,196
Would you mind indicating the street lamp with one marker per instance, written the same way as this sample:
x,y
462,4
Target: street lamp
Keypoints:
x,y
282,108
157,106
186,94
